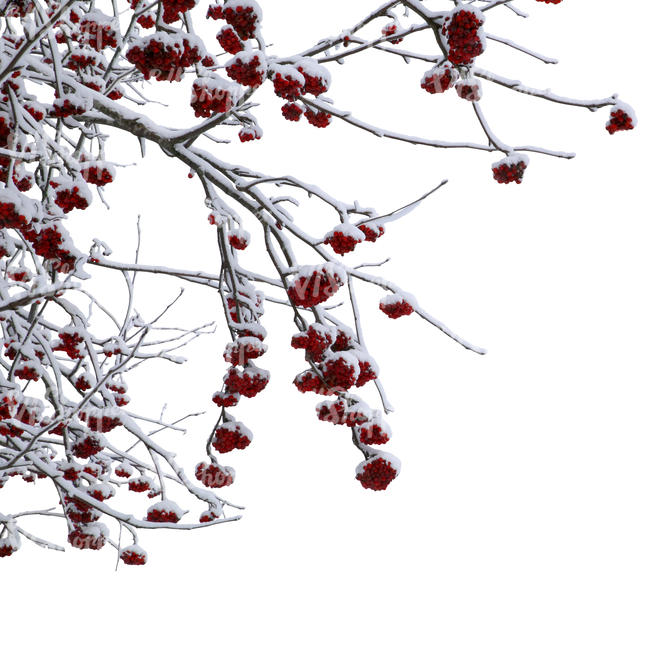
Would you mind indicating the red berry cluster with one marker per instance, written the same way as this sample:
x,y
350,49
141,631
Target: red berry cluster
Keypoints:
x,y
84,58
10,214
100,491
439,79
344,238
101,420
67,107
124,470
88,445
310,382
229,41
27,372
207,516
70,342
248,71
462,28
243,17
243,349
69,198
247,382
249,133
315,84
35,110
396,307
97,35
376,473
315,284
225,400
140,484
374,433
97,174
81,383
78,511
340,371
7,547
208,99
19,9
231,435
163,60
19,274
162,513
314,341
82,538
510,169
292,112
620,120
146,20
550,2
71,472
288,84
172,9
133,555
343,411
389,30
239,239
319,119
214,476
469,89
371,231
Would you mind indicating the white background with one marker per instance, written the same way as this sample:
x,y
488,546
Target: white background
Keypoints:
x,y
520,519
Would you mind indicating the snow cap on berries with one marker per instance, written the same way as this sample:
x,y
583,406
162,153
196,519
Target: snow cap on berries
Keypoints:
x,y
398,304
313,285
510,169
378,471
344,238
621,118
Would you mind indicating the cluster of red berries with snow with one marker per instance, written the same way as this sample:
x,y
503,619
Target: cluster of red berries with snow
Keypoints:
x,y
164,57
244,16
390,30
229,40
211,96
97,173
469,89
239,239
98,30
9,544
463,32
213,475
247,68
133,555
511,169
313,285
231,435
622,118
173,10
439,79
165,511
345,237
396,305
19,8
378,472
249,133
